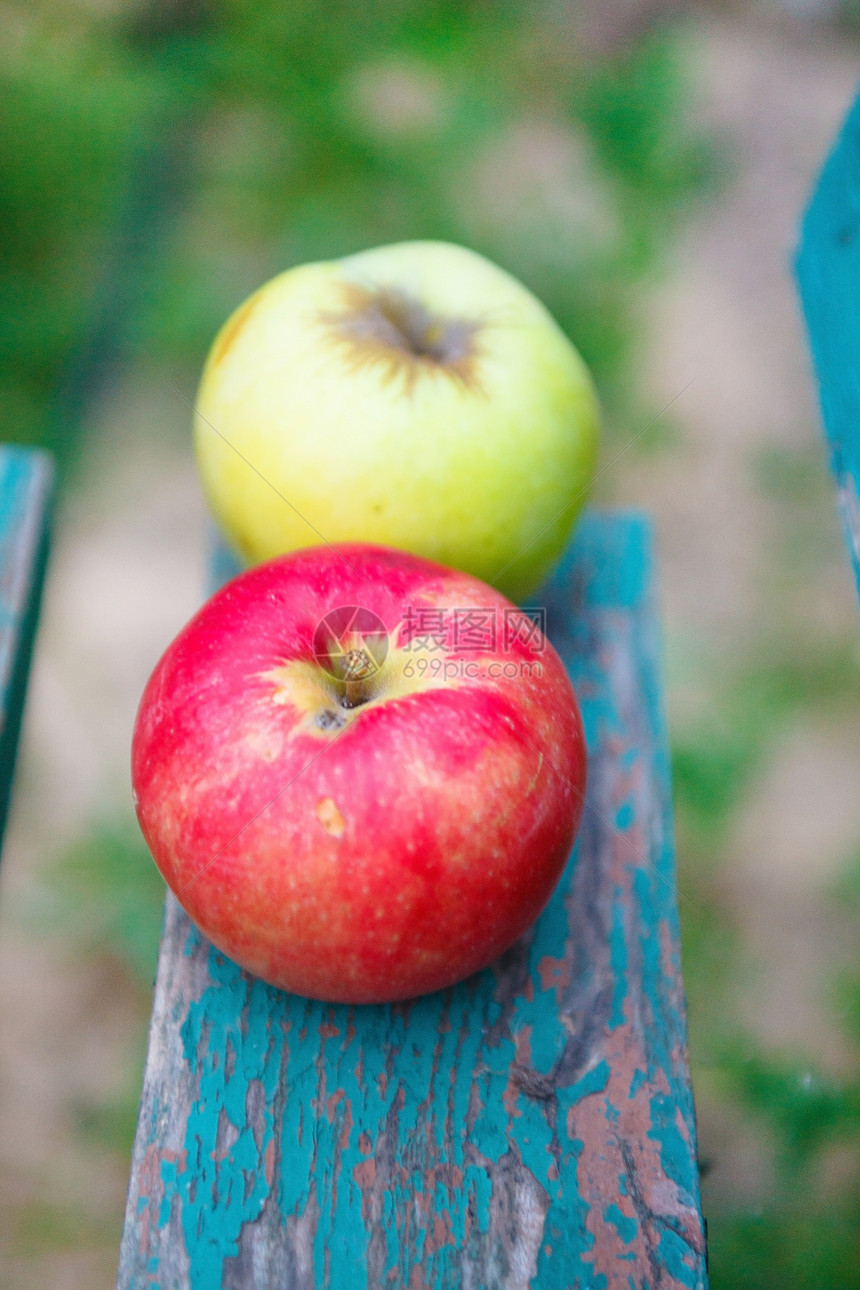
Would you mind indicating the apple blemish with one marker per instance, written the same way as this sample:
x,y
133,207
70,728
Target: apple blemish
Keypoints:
x,y
330,817
328,719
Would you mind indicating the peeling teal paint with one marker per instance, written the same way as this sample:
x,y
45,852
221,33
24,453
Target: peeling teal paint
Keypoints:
x,y
625,1226
619,564
653,982
640,1077
215,1205
625,816
26,487
674,1147
674,1255
828,273
594,1081
619,959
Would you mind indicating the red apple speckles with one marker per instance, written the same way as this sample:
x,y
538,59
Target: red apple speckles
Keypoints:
x,y
375,822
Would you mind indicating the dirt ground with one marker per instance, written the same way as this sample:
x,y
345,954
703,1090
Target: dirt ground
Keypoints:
x,y
127,571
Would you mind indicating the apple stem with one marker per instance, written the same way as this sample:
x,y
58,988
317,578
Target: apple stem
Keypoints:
x,y
357,667
353,694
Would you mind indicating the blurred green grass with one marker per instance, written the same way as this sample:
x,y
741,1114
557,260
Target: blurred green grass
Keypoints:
x,y
315,134
273,135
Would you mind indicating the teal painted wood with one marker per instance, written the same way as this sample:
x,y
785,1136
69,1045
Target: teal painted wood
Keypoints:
x,y
26,486
828,273
533,1126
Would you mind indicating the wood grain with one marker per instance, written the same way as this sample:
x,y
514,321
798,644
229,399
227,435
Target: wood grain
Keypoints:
x,y
531,1127
26,486
828,274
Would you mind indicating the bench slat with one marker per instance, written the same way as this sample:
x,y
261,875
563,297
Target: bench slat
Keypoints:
x,y
828,274
533,1126
26,486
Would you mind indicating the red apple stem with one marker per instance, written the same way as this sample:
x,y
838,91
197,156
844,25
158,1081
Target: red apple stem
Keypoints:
x,y
357,667
353,694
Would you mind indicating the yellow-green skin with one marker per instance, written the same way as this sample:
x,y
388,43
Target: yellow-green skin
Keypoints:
x,y
310,428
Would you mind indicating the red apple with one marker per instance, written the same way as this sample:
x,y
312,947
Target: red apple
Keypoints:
x,y
360,772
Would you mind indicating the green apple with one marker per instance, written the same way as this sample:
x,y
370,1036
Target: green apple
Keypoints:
x,y
414,395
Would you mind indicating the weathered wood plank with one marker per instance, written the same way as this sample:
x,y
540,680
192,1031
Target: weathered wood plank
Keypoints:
x,y
828,273
26,485
532,1127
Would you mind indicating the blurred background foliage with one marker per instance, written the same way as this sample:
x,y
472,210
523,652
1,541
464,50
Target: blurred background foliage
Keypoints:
x,y
159,161
158,166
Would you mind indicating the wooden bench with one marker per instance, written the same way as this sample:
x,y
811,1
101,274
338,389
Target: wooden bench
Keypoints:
x,y
828,273
26,489
533,1126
